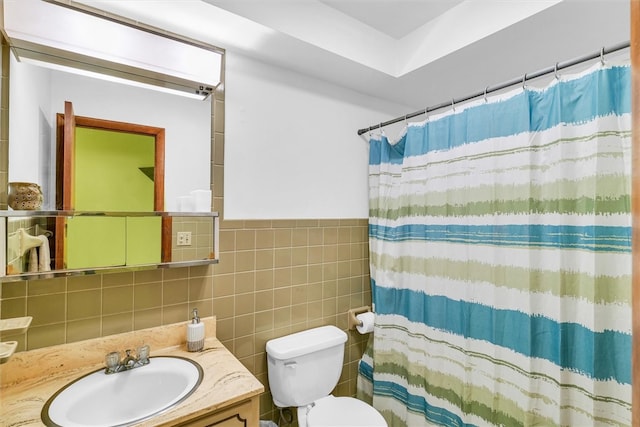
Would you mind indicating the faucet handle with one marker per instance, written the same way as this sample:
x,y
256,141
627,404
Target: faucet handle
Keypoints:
x,y
112,361
143,354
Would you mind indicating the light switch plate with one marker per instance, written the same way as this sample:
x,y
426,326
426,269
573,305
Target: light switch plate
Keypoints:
x,y
184,238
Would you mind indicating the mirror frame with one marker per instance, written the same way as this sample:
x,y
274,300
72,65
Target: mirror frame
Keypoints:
x,y
166,216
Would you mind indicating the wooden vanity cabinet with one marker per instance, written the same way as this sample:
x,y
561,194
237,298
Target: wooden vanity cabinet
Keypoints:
x,y
243,414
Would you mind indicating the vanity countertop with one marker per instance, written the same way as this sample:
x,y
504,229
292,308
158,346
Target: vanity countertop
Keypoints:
x,y
29,378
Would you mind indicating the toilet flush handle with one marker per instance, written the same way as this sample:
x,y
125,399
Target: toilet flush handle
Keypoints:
x,y
290,365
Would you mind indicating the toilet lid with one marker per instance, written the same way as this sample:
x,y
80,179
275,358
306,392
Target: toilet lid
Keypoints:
x,y
333,411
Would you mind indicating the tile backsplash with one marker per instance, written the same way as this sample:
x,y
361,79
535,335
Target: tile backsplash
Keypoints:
x,y
201,232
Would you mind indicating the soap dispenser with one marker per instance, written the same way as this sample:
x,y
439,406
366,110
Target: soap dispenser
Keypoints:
x,y
195,333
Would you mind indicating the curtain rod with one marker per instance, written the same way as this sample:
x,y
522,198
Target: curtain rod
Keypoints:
x,y
512,82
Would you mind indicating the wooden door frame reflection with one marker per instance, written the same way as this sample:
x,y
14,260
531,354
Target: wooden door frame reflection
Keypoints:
x,y
66,123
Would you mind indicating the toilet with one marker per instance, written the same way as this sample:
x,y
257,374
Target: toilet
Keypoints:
x,y
304,368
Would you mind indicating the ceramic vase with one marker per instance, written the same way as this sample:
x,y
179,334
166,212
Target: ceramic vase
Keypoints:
x,y
25,196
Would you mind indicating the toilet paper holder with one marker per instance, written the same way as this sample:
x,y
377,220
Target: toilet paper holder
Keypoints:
x,y
352,320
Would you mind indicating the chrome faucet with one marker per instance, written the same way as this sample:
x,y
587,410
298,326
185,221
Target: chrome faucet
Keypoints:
x,y
114,364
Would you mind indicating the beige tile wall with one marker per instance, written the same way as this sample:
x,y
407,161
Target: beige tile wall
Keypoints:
x,y
278,277
201,230
274,278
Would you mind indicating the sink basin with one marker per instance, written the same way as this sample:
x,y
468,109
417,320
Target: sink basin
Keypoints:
x,y
124,398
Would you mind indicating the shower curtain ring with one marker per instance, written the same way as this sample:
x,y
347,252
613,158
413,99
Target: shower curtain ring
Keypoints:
x,y
426,113
524,81
453,106
555,71
602,56
485,93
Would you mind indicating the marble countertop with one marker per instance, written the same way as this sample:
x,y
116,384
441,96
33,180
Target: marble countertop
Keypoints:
x,y
29,378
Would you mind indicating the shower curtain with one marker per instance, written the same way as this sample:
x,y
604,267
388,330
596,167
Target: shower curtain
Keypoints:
x,y
500,251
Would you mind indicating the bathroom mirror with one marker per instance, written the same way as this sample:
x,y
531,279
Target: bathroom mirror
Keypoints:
x,y
37,93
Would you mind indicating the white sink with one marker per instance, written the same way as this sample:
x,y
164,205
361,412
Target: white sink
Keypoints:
x,y
123,398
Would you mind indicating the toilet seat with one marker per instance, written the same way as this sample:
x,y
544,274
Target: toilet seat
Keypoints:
x,y
331,411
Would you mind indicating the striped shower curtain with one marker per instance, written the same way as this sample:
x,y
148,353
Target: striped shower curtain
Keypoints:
x,y
500,250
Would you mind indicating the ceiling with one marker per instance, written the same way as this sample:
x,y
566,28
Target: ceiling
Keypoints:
x,y
415,53
383,14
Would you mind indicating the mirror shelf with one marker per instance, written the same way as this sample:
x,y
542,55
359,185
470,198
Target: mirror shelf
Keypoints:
x,y
32,239
104,270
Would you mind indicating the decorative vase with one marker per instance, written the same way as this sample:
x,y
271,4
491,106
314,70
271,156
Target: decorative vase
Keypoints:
x,y
25,196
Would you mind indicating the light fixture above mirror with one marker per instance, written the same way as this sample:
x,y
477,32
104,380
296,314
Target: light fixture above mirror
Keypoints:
x,y
52,33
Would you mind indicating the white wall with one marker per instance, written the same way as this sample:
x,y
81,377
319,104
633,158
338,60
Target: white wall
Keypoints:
x,y
291,144
37,94
29,136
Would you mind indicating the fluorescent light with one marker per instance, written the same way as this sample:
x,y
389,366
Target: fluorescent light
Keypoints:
x,y
98,45
79,71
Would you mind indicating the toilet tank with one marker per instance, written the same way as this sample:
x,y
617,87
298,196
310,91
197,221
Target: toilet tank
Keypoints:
x,y
305,366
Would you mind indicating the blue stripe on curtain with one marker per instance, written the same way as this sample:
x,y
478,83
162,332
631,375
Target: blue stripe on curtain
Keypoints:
x,y
591,238
513,329
597,94
419,404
